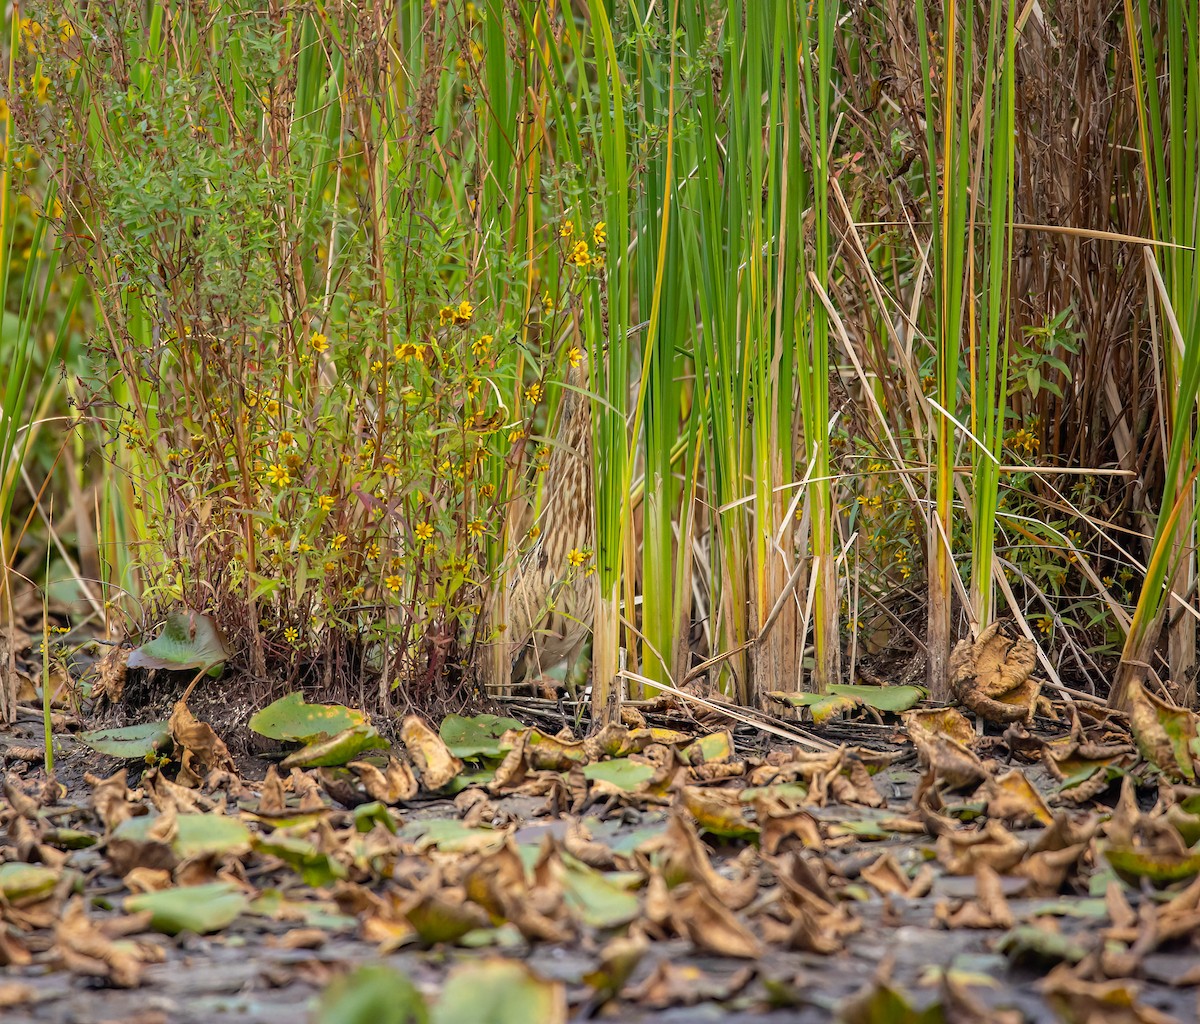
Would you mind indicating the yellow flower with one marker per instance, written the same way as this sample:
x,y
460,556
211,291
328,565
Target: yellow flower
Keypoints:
x,y
279,475
271,408
319,343
576,558
339,541
291,634
574,356
580,254
475,528
533,393
373,550
304,548
547,301
599,234
287,438
424,531
473,388
377,366
1046,625
393,583
480,345
535,532
567,230
325,503
446,315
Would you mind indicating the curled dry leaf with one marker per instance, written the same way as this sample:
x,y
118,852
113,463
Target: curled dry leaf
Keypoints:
x,y
1011,797
711,926
394,785
112,799
202,748
989,908
430,753
110,673
1077,1001
1165,734
993,846
685,985
992,675
88,948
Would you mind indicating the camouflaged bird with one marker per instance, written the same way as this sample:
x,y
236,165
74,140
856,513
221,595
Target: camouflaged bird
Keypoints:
x,y
550,600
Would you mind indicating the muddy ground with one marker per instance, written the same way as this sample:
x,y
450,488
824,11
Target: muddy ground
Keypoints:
x,y
252,971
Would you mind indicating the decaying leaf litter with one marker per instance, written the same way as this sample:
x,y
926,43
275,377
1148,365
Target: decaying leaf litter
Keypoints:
x,y
1024,856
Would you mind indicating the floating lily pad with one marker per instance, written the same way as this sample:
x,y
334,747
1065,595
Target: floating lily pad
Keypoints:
x,y
336,750
20,881
130,742
595,899
314,867
291,719
202,834
191,908
1161,869
478,736
372,995
499,992
189,640
845,697
620,772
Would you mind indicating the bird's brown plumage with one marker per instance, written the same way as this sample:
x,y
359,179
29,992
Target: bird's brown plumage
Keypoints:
x,y
551,602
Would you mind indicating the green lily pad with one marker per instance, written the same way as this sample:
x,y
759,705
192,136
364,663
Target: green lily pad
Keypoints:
x,y
476,737
336,750
497,991
451,835
188,640
372,995
192,908
596,900
1029,944
70,839
845,697
620,772
130,742
367,816
203,834
1161,869
19,881
290,718
314,867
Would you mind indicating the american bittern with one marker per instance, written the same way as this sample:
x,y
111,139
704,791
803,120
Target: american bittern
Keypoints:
x,y
551,598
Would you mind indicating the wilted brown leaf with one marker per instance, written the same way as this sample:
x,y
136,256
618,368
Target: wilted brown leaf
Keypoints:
x,y
391,786
992,675
685,985
711,926
203,750
429,753
1165,734
1077,1001
964,852
88,948
989,908
1011,797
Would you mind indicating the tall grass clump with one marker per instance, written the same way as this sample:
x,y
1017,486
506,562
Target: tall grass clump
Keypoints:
x,y
40,299
1164,43
318,309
